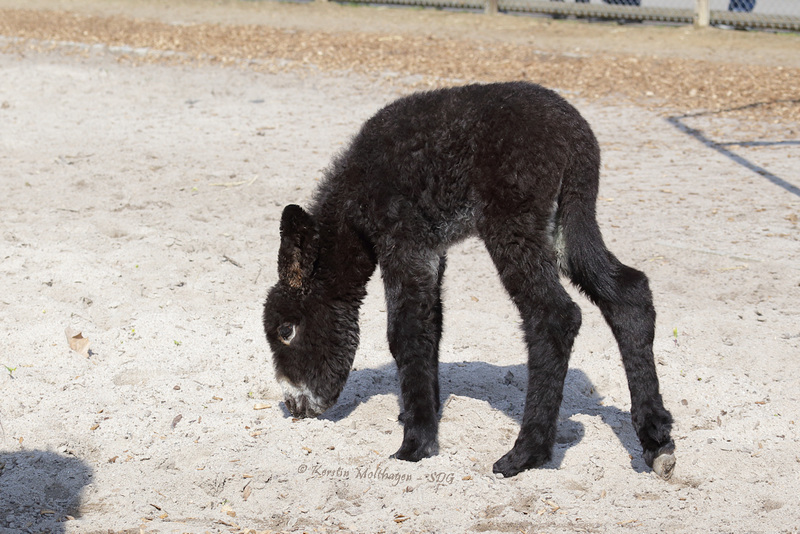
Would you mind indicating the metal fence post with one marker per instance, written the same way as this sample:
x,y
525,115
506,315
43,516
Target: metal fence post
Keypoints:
x,y
702,13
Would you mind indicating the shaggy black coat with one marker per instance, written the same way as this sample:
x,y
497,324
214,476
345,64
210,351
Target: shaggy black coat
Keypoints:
x,y
512,163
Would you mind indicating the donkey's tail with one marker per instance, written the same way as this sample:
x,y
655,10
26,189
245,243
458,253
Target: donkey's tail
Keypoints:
x,y
582,254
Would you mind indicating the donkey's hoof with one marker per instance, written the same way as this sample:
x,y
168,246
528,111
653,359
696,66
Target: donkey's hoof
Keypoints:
x,y
415,447
663,465
414,455
513,462
507,467
662,459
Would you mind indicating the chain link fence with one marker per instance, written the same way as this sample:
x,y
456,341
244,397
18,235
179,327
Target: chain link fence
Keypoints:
x,y
761,14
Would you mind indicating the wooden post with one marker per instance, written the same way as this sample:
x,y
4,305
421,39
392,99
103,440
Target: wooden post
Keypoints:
x,y
491,7
702,13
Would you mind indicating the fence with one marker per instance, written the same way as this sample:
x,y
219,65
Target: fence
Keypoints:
x,y
764,14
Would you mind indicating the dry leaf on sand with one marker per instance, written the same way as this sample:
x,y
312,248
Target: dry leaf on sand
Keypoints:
x,y
77,342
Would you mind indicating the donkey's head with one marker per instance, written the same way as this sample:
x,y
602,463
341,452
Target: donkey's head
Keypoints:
x,y
313,337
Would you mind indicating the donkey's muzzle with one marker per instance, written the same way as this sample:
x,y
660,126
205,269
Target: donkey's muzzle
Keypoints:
x,y
301,401
301,407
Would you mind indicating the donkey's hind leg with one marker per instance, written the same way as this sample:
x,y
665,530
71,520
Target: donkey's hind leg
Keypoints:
x,y
527,266
623,295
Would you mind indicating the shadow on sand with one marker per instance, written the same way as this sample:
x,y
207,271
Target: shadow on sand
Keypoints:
x,y
678,121
503,388
40,490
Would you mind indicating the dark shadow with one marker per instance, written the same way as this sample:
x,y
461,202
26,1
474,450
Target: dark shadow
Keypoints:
x,y
760,143
40,490
722,148
503,388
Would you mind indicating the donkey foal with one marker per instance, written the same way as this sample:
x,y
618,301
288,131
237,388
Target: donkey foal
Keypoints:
x,y
512,163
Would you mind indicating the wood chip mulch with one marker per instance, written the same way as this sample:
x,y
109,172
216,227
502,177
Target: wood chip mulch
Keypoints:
x,y
676,85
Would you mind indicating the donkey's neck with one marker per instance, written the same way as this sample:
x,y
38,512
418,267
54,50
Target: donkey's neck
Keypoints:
x,y
346,259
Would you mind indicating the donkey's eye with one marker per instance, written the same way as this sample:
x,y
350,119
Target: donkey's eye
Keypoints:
x,y
286,333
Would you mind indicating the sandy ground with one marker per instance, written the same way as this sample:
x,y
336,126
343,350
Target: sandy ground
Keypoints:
x,y
140,208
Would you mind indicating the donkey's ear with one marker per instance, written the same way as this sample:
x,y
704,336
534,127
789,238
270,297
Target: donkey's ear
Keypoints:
x,y
299,247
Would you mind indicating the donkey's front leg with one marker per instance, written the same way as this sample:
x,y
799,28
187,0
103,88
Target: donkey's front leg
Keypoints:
x,y
415,322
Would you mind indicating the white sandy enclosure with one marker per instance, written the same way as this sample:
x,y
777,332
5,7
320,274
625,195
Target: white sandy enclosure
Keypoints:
x,y
140,206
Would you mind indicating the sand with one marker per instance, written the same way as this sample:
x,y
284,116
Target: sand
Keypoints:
x,y
140,208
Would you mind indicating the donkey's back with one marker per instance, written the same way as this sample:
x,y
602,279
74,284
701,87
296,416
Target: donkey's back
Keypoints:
x,y
438,165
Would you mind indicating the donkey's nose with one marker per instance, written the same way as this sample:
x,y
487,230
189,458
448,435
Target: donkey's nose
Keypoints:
x,y
301,401
300,407
293,404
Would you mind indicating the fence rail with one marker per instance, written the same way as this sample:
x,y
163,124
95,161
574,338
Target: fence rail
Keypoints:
x,y
605,11
762,14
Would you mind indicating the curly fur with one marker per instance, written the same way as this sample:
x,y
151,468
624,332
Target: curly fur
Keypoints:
x,y
512,163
